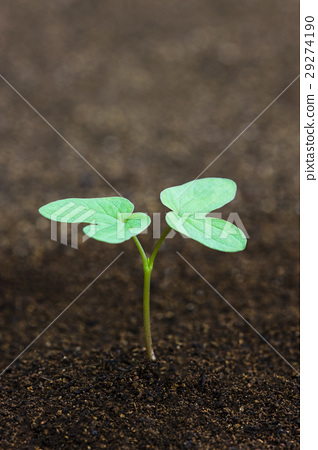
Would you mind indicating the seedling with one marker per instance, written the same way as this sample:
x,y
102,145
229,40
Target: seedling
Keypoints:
x,y
112,220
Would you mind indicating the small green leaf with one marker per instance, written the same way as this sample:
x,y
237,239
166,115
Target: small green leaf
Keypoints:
x,y
213,233
112,217
87,210
119,231
204,195
192,201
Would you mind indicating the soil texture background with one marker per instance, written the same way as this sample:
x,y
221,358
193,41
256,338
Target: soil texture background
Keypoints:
x,y
149,94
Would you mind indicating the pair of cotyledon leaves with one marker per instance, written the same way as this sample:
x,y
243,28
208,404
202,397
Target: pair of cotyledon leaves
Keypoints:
x,y
112,219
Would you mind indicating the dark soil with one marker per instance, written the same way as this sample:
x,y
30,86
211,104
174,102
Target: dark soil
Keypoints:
x,y
149,93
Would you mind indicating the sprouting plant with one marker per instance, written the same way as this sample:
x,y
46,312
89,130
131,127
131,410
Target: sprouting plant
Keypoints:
x,y
112,220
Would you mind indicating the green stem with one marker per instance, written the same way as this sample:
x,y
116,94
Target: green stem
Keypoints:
x,y
141,251
155,251
146,308
147,266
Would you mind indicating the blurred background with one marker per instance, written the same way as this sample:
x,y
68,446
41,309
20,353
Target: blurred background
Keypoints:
x,y
150,93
